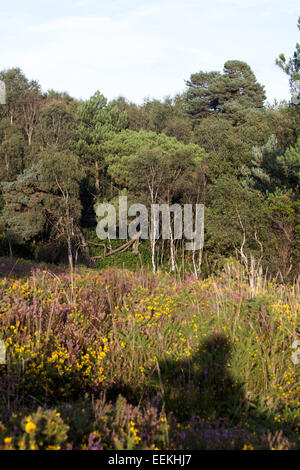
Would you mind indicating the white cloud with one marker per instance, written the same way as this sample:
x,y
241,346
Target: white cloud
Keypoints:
x,y
81,24
149,48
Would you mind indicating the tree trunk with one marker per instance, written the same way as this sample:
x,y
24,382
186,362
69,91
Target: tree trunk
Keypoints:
x,y
70,254
84,247
97,180
172,251
10,248
135,247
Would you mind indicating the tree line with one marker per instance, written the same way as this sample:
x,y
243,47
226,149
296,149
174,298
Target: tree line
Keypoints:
x,y
218,143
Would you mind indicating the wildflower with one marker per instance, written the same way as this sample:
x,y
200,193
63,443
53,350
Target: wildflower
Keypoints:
x,y
30,426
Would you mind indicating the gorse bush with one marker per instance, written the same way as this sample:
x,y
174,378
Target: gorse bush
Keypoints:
x,y
43,429
123,360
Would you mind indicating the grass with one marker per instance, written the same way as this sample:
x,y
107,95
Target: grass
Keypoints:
x,y
125,360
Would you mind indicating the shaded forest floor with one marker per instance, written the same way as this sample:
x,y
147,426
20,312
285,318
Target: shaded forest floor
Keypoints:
x,y
119,360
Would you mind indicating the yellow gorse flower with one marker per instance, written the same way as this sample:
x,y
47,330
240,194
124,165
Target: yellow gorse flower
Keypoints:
x,y
30,426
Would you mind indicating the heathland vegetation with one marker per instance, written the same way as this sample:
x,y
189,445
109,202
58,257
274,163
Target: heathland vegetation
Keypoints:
x,y
112,345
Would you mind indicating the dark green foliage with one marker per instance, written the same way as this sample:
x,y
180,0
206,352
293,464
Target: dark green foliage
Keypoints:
x,y
126,259
12,150
97,120
43,201
231,93
135,160
56,124
283,209
23,213
235,214
266,172
17,86
166,117
290,163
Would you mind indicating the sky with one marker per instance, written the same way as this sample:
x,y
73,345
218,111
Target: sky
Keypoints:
x,y
146,48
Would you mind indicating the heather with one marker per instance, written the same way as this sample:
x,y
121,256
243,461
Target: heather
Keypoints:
x,y
115,359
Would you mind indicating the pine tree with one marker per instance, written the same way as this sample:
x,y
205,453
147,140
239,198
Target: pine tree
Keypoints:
x,y
292,69
230,94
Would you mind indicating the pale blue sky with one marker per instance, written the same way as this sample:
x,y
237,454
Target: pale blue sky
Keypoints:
x,y
144,48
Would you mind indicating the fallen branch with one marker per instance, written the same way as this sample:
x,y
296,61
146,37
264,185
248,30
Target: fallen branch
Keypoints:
x,y
116,250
